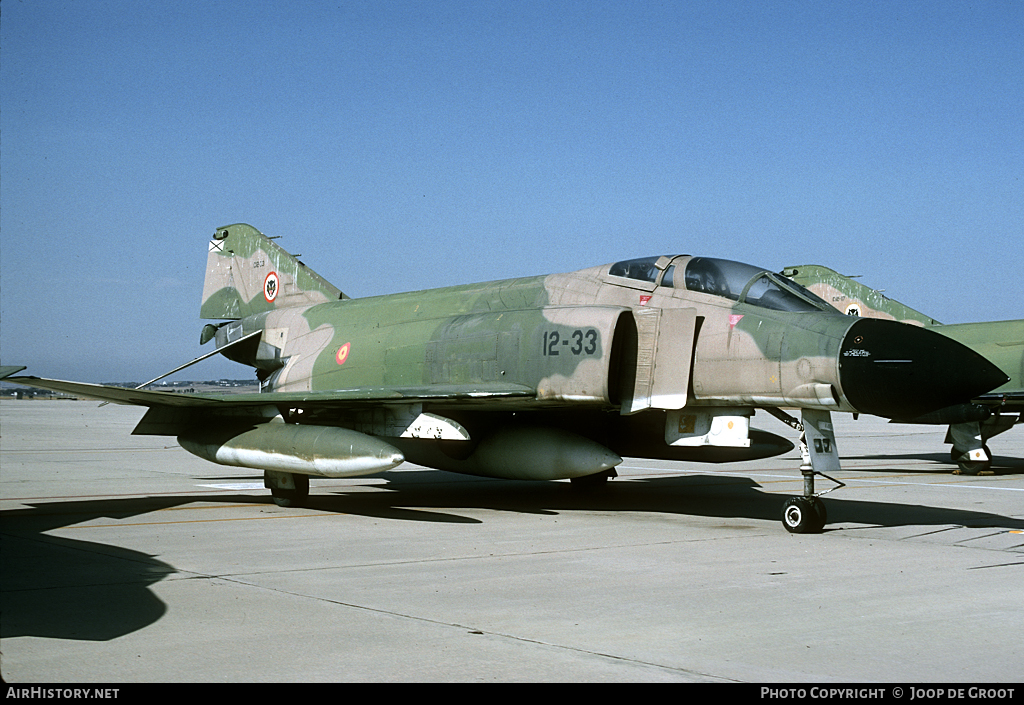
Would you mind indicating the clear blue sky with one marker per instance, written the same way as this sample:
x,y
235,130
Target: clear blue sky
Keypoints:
x,y
407,145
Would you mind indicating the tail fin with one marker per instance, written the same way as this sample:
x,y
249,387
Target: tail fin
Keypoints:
x,y
247,273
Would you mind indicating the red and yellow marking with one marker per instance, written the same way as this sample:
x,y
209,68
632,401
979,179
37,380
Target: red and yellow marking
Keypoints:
x,y
343,353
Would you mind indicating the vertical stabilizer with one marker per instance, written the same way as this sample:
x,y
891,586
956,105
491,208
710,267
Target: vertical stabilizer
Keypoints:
x,y
248,273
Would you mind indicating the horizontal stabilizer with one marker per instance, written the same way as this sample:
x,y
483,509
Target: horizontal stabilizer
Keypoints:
x,y
221,349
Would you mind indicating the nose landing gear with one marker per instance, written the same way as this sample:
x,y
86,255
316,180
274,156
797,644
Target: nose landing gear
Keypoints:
x,y
806,514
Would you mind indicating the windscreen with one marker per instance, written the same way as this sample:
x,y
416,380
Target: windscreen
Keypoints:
x,y
735,280
641,269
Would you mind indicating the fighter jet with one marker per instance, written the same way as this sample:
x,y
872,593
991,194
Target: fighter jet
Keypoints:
x,y
539,378
1002,342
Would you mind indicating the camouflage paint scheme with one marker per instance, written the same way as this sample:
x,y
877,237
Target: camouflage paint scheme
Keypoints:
x,y
546,377
1001,342
853,298
550,336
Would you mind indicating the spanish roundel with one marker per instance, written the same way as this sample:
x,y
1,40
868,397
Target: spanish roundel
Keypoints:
x,y
342,353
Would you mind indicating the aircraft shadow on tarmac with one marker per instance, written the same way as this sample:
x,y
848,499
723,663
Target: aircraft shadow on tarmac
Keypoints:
x,y
716,496
62,588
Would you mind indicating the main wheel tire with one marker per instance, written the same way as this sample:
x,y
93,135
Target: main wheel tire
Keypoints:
x,y
972,467
292,498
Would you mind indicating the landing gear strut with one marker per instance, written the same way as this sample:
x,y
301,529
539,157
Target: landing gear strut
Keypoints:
x,y
806,514
288,489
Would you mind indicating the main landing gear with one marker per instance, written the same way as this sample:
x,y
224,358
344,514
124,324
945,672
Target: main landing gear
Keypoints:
x,y
972,462
970,451
806,514
287,488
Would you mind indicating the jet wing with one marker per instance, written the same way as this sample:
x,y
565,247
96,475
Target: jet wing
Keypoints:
x,y
151,398
116,395
171,414
334,397
8,370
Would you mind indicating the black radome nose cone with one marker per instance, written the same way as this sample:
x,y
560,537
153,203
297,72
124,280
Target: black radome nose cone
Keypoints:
x,y
900,371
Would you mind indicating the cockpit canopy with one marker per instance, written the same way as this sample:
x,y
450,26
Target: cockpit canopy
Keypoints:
x,y
720,277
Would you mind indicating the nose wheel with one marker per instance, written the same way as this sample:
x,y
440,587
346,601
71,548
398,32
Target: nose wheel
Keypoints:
x,y
804,515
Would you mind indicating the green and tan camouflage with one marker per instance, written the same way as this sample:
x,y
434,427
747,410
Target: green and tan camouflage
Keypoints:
x,y
553,335
248,273
548,377
852,297
1000,342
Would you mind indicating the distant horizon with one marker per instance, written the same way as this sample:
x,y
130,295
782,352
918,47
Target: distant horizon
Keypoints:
x,y
9,388
161,383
